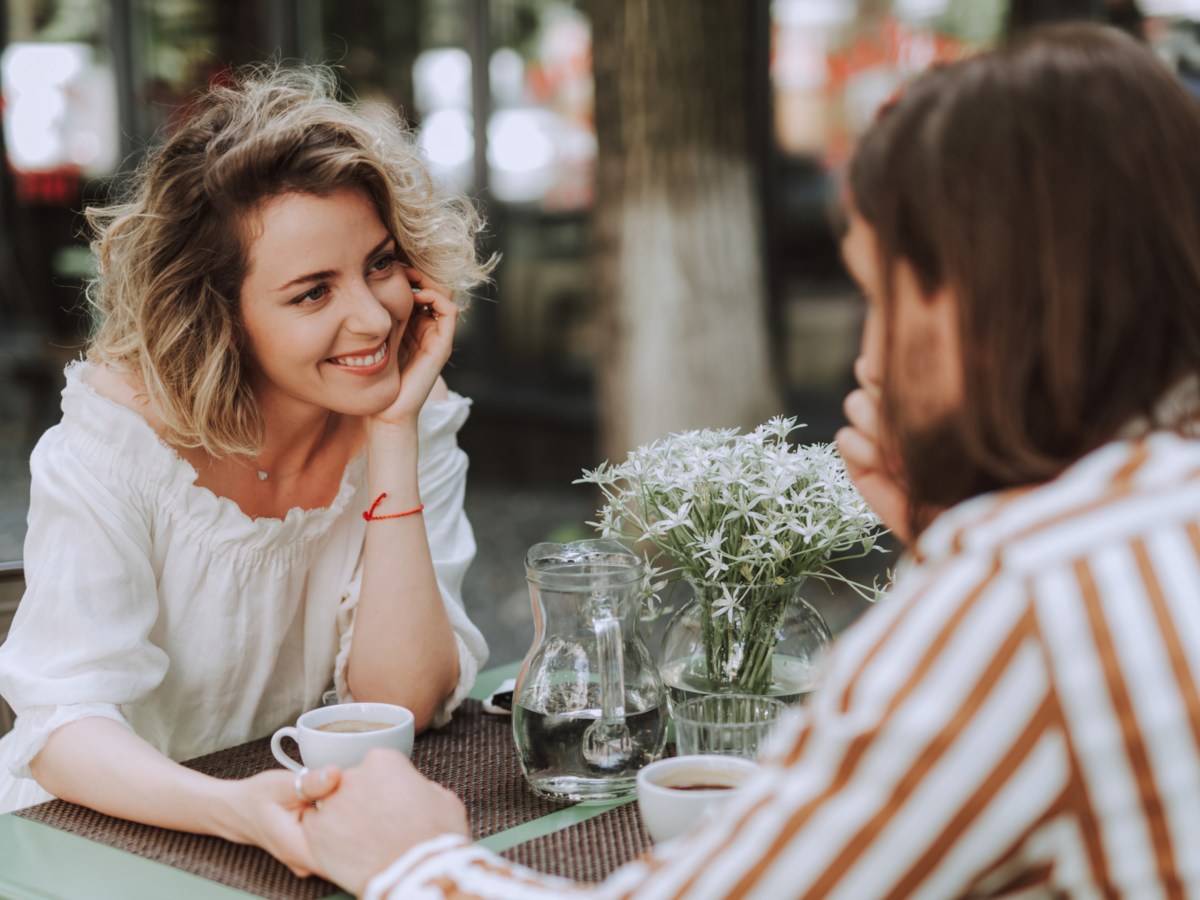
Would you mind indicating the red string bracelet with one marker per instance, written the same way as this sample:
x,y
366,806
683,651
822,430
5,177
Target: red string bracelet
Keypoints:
x,y
370,516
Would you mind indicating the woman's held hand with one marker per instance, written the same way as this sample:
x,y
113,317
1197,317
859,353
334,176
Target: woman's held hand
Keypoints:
x,y
265,810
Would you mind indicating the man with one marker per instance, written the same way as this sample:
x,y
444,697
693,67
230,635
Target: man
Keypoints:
x,y
1022,712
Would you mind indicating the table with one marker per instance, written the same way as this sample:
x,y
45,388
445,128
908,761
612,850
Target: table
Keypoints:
x,y
585,841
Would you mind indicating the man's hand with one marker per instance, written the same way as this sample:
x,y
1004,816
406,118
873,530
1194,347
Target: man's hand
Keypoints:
x,y
383,808
861,447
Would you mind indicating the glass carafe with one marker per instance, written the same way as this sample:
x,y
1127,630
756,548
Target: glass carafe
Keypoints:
x,y
589,708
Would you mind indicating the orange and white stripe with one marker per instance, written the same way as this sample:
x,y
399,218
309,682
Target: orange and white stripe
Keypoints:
x,y
1019,718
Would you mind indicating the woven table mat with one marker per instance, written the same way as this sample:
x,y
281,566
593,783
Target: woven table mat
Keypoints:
x,y
590,850
474,756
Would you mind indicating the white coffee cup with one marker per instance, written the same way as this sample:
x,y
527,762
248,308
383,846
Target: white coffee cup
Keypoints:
x,y
391,726
677,793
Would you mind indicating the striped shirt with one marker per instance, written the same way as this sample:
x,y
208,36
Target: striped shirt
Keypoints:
x,y
1019,717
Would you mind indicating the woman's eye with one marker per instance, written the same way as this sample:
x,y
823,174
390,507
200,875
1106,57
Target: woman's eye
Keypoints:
x,y
385,262
311,296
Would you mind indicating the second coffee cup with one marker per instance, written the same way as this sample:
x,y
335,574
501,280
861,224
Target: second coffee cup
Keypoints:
x,y
342,734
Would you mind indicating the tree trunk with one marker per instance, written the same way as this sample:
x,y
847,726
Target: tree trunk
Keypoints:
x,y
678,255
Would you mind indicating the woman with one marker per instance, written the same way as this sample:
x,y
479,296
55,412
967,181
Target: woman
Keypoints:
x,y
255,492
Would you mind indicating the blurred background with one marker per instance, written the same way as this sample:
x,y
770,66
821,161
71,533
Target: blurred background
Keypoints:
x,y
658,176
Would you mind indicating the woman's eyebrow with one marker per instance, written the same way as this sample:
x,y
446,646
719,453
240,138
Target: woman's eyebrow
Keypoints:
x,y
378,247
311,276
329,273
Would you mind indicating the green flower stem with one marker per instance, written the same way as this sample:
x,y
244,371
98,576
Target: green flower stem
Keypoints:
x,y
761,636
755,629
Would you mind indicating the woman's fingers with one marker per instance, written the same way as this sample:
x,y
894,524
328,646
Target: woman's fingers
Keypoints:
x,y
273,808
426,292
434,315
435,307
420,281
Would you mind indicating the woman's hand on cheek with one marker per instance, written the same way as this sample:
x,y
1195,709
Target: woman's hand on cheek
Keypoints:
x,y
424,348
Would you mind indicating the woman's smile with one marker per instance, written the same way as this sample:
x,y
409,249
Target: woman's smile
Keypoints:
x,y
363,363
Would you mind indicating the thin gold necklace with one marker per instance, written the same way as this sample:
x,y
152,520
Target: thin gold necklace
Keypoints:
x,y
263,474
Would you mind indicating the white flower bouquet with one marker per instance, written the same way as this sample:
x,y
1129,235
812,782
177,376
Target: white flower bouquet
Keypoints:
x,y
744,514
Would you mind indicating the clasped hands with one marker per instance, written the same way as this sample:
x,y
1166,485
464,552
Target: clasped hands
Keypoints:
x,y
370,815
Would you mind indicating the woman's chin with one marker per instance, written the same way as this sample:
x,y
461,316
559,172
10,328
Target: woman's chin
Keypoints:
x,y
367,402
380,400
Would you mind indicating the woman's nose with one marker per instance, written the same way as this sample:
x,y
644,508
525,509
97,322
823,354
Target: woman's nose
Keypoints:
x,y
366,314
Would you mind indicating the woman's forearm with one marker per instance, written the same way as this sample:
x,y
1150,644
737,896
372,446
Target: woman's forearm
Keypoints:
x,y
101,764
403,650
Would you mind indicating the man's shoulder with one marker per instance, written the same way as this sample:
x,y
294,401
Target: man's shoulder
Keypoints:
x,y
1115,494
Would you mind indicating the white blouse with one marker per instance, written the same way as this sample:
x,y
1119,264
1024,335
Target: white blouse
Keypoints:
x,y
156,603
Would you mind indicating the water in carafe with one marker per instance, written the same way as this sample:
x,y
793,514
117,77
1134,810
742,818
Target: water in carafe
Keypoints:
x,y
589,708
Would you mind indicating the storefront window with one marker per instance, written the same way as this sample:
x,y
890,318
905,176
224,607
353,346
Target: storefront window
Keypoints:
x,y
60,101
541,136
833,63
175,49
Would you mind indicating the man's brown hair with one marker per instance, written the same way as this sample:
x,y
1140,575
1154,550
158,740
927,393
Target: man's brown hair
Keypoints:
x,y
1054,185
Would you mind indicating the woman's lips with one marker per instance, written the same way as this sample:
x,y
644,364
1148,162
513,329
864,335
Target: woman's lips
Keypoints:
x,y
362,363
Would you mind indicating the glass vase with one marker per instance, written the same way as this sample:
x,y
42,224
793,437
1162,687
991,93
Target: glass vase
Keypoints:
x,y
744,639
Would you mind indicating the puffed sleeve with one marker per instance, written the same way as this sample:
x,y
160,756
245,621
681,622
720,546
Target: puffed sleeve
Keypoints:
x,y
442,477
79,645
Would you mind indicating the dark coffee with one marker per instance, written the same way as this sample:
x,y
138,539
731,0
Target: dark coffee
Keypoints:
x,y
700,787
352,726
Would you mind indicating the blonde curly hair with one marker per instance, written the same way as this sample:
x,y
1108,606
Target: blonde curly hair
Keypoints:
x,y
173,252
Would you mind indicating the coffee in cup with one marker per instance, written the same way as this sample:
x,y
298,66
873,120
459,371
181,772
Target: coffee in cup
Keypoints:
x,y
353,726
674,794
342,734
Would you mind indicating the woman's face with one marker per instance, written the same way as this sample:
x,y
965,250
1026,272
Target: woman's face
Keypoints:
x,y
324,304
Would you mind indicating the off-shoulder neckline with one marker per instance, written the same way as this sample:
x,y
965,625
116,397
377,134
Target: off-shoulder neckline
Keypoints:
x,y
98,415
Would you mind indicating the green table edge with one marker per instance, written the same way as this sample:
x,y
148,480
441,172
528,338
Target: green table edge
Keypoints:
x,y
39,862
34,857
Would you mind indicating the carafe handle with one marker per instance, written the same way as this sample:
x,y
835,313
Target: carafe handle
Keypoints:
x,y
612,667
606,742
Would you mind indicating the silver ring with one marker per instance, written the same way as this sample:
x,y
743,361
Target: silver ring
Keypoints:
x,y
298,785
